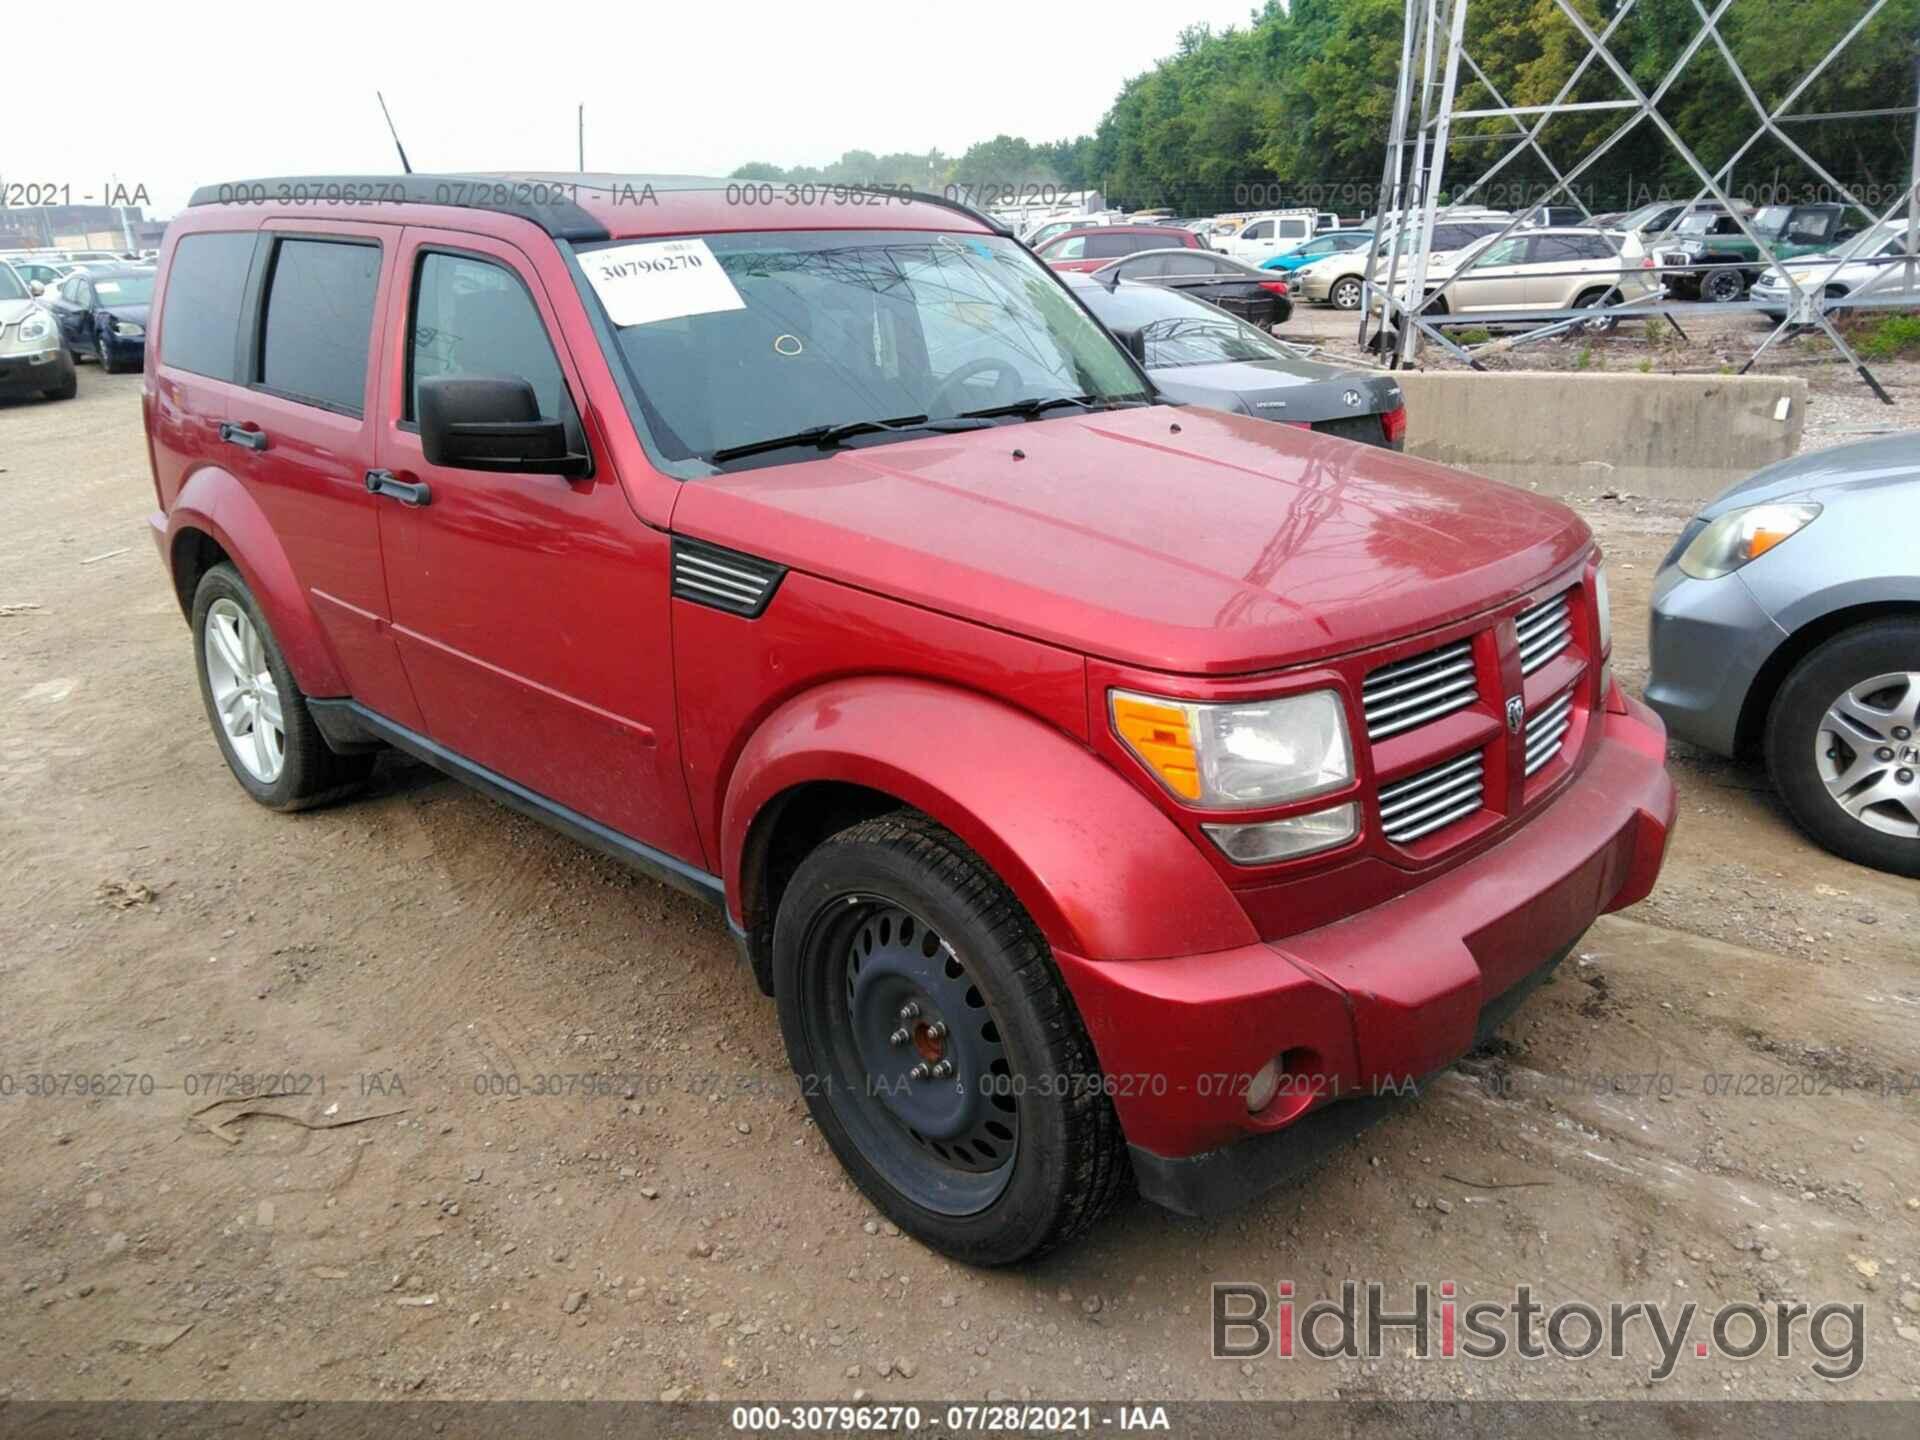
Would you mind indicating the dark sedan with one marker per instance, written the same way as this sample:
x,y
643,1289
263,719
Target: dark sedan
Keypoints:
x,y
102,313
1198,354
1256,296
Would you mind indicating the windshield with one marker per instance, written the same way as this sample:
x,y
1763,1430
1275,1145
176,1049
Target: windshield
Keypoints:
x,y
10,286
1179,330
807,329
1771,218
124,289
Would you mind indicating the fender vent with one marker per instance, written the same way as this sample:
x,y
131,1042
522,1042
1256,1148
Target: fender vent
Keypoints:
x,y
723,579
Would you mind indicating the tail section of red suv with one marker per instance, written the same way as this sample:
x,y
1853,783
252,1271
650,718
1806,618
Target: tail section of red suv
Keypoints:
x,y
1107,792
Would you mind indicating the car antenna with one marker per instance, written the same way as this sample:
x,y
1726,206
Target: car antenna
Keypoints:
x,y
404,166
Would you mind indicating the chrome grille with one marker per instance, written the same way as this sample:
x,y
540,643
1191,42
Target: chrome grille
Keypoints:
x,y
1544,631
1546,728
1411,692
1433,799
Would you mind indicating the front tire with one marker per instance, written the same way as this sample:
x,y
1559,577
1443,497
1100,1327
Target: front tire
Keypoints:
x,y
1843,745
1724,286
1346,293
937,1047
258,714
103,353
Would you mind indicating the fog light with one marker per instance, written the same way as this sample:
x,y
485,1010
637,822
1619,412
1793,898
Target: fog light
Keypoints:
x,y
1270,840
1264,1086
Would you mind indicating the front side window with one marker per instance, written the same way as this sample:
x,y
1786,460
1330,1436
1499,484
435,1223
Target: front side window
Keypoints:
x,y
11,286
319,322
1072,248
472,317
825,328
1259,230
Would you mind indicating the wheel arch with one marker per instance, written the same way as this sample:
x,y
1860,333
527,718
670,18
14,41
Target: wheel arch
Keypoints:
x,y
214,519
1750,730
1102,871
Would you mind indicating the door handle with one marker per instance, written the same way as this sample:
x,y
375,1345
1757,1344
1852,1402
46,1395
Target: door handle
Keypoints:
x,y
407,492
243,437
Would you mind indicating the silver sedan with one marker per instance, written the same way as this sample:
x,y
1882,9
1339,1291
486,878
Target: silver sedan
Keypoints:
x,y
1786,621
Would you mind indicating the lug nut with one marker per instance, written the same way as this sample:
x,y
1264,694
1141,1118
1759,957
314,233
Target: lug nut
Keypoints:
x,y
1885,752
919,1072
900,1037
1901,732
910,1010
938,1030
1905,777
942,1070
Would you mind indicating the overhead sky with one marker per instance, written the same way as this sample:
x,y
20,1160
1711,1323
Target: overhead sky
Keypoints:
x,y
174,96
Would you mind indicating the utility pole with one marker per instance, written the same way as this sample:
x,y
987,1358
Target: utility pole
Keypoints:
x,y
580,122
1913,182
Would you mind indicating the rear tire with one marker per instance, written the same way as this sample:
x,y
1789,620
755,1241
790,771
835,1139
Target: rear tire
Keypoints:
x,y
894,925
1836,750
298,771
1606,324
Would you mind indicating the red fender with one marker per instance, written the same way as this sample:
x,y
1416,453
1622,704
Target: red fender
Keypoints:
x,y
216,502
1102,871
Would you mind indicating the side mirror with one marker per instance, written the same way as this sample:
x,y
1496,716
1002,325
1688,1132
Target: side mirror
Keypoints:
x,y
35,288
1136,343
492,422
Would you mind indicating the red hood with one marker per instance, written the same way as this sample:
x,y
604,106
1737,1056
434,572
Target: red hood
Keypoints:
x,y
1231,546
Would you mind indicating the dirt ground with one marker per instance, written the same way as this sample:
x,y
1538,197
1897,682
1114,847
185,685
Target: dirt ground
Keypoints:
x,y
687,1233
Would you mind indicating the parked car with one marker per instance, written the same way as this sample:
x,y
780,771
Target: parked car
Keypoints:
x,y
1049,749
1265,236
1538,270
1047,229
1732,261
1556,217
1333,242
102,313
1198,355
1786,621
1661,216
1337,279
1084,248
1241,290
40,275
1864,269
32,359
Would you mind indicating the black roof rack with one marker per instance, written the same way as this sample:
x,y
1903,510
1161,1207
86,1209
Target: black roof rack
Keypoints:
x,y
543,197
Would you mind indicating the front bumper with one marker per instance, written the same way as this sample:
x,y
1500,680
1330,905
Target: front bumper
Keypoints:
x,y
1364,1006
1706,642
26,372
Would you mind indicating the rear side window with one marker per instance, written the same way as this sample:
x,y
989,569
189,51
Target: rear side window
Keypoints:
x,y
471,317
319,322
202,311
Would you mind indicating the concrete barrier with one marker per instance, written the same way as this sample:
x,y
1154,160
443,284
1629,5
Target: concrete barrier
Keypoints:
x,y
1683,437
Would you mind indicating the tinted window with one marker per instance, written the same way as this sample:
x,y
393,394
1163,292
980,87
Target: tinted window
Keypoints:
x,y
471,317
1510,251
1295,229
1555,249
1259,230
1072,248
319,322
1102,247
202,309
1594,247
1193,263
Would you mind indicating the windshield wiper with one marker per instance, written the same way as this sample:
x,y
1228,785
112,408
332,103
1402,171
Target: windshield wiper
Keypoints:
x,y
1036,405
830,437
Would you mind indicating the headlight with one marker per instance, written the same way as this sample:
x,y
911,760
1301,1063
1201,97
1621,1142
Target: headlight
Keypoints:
x,y
1743,535
37,326
1603,610
122,327
1238,756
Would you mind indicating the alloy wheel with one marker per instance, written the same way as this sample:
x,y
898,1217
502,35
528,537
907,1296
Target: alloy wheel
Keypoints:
x,y
245,697
1867,751
1346,295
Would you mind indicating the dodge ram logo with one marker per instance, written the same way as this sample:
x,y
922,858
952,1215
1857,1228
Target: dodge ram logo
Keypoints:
x,y
1516,714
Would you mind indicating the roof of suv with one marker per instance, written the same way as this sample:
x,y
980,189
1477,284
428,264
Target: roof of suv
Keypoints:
x,y
589,207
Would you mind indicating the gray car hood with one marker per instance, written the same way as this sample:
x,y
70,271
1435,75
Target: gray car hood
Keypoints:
x,y
1302,391
1886,460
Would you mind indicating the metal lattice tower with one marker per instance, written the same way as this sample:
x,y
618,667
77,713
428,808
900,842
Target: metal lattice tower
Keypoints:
x,y
1433,54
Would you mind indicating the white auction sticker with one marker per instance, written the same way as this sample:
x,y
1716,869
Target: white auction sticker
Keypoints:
x,y
659,280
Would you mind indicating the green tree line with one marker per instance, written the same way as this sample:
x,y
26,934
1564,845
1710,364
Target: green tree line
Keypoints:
x,y
1301,97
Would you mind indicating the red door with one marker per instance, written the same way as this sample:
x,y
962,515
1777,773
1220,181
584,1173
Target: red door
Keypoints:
x,y
300,434
531,610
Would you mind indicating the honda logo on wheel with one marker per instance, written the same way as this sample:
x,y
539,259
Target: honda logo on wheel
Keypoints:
x,y
1516,714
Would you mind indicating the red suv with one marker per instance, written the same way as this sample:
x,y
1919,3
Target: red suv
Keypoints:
x,y
1100,245
1105,791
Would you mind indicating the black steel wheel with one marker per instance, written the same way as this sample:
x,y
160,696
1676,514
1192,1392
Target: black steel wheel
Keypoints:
x,y
937,1048
1723,286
